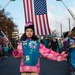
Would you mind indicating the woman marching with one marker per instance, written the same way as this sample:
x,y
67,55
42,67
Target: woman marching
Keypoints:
x,y
29,50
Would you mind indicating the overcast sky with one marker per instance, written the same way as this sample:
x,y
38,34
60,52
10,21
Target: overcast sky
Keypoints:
x,y
56,13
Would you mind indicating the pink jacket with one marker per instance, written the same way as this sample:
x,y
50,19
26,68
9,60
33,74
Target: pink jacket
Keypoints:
x,y
47,53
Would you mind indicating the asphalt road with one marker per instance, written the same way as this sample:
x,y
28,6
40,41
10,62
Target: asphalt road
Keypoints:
x,y
50,67
10,66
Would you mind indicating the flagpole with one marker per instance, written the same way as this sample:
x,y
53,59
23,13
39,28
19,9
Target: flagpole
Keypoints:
x,y
8,40
69,10
8,1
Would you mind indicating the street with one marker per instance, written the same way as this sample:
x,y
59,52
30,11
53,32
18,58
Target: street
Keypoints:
x,y
10,66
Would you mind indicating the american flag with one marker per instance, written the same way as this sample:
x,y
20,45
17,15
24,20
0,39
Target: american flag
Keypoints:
x,y
36,12
3,36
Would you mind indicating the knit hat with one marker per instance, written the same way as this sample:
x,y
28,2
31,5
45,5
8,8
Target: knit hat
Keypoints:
x,y
29,25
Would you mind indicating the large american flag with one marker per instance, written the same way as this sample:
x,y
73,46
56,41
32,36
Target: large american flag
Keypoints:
x,y
36,12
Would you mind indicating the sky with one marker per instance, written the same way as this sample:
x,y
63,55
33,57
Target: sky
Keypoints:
x,y
57,14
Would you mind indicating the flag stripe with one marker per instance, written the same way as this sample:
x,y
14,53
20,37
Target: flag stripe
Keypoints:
x,y
36,20
31,11
36,27
28,10
30,14
40,22
48,23
42,26
44,23
24,10
39,25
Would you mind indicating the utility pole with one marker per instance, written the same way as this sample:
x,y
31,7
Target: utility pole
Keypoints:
x,y
60,27
69,25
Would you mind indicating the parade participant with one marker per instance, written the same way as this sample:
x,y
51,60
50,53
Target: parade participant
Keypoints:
x,y
1,48
69,46
29,49
45,41
6,51
71,51
54,44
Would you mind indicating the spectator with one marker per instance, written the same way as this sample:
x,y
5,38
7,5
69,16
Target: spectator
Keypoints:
x,y
6,51
54,44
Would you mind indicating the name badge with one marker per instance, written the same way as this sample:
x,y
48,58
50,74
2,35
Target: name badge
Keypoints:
x,y
27,58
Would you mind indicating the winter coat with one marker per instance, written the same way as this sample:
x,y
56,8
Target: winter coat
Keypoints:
x,y
47,53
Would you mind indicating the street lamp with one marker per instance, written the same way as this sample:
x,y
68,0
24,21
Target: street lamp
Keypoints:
x,y
69,24
60,27
69,10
